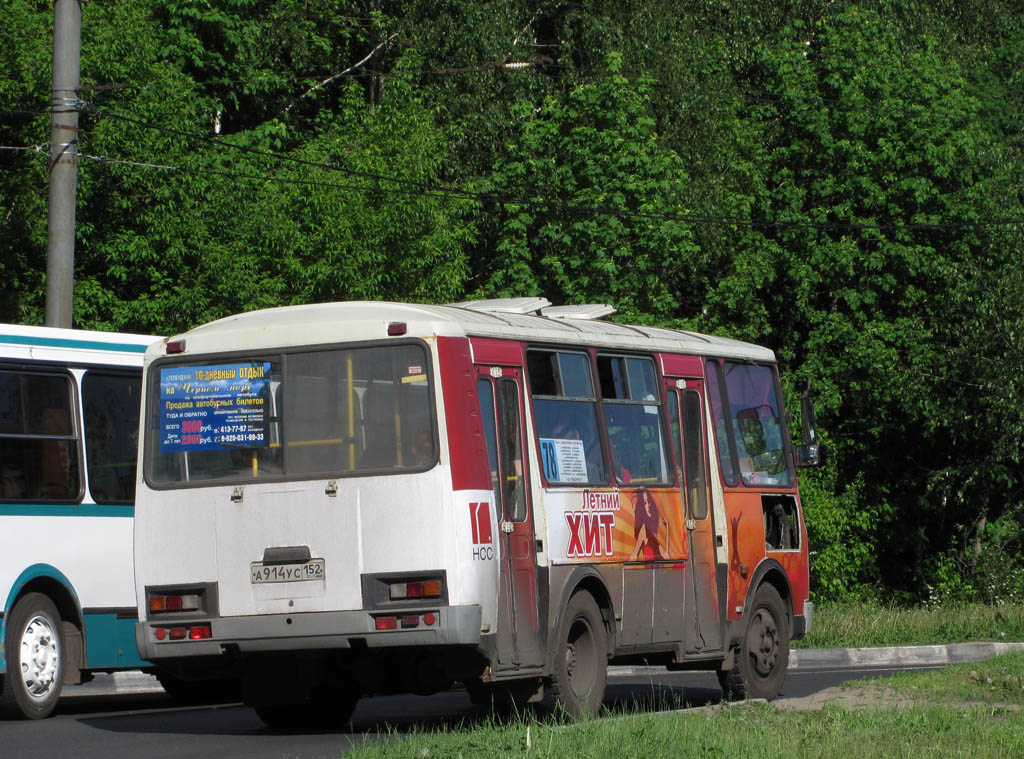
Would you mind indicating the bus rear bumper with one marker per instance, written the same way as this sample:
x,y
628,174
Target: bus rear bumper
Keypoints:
x,y
310,631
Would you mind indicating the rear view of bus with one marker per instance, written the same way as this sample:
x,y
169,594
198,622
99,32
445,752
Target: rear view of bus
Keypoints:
x,y
354,498
295,526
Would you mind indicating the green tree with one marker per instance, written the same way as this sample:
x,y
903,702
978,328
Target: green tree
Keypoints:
x,y
586,198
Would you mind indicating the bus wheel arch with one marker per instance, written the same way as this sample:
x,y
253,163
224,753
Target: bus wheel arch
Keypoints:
x,y
587,580
582,643
37,655
49,582
762,651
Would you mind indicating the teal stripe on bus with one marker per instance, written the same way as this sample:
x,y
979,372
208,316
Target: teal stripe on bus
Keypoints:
x,y
110,642
64,510
60,342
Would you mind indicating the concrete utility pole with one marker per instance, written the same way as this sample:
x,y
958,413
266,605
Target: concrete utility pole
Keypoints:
x,y
60,261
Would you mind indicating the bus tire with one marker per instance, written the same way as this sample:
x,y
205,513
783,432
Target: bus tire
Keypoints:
x,y
34,650
763,656
580,666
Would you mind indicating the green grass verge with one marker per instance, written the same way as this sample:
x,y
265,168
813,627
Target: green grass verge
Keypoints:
x,y
857,625
953,712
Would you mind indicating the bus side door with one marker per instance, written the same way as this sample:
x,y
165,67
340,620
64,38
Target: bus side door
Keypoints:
x,y
703,626
499,391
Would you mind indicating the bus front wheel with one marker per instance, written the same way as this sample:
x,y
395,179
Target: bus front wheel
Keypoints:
x,y
580,668
35,658
763,657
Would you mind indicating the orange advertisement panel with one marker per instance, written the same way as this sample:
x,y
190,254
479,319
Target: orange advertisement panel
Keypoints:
x,y
615,525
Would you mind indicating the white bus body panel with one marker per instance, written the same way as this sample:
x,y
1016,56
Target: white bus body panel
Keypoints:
x,y
93,553
199,535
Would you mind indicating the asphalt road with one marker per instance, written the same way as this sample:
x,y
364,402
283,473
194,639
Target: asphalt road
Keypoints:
x,y
125,723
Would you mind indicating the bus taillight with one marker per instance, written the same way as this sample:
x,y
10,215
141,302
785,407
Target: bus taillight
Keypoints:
x,y
181,632
401,591
404,621
162,604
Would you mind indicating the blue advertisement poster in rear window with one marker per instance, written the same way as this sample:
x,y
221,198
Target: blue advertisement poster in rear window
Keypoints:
x,y
210,408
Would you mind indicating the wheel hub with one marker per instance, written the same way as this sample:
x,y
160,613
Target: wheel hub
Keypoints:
x,y
763,642
40,658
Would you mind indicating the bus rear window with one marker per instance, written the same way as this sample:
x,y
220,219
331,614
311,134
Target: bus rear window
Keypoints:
x,y
312,413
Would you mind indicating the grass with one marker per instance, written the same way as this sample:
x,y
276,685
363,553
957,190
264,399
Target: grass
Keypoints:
x,y
966,711
858,625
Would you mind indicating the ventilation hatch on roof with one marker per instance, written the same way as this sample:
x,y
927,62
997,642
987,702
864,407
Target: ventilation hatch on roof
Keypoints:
x,y
506,305
588,311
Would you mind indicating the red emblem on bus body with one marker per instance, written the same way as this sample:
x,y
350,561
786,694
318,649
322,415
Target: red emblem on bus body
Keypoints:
x,y
480,515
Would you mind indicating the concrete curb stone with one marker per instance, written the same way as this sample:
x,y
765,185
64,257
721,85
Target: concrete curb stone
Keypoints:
x,y
897,656
881,656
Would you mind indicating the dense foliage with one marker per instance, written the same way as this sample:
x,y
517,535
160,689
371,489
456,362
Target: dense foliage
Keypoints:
x,y
838,181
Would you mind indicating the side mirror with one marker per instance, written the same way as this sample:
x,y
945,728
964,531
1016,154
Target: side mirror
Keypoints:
x,y
808,454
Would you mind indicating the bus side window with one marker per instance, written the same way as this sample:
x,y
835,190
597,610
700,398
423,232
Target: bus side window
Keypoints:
x,y
110,404
723,432
631,405
37,437
756,421
565,415
485,397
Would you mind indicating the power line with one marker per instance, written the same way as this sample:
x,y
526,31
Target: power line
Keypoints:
x,y
279,156
413,187
31,148
440,190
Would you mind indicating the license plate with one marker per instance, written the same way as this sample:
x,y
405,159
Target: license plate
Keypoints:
x,y
300,572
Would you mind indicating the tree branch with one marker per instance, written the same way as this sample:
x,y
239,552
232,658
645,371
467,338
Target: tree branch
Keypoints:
x,y
387,42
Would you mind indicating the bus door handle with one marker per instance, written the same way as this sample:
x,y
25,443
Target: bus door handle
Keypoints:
x,y
506,526
691,524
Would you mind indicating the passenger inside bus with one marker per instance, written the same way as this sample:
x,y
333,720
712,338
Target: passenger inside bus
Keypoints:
x,y
12,471
423,448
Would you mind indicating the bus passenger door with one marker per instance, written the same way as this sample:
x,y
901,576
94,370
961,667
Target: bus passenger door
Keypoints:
x,y
703,625
518,636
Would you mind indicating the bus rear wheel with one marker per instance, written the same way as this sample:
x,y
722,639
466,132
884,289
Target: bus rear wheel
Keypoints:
x,y
34,651
580,669
764,651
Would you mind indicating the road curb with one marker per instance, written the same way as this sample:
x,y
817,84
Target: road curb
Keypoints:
x,y
881,656
897,656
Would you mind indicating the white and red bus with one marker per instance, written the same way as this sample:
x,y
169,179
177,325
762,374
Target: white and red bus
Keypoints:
x,y
354,498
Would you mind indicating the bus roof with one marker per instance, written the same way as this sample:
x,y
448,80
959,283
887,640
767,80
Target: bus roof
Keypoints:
x,y
23,343
324,323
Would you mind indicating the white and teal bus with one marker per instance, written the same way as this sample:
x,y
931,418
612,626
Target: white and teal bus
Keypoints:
x,y
69,419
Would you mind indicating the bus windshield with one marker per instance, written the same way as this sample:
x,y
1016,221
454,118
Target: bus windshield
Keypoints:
x,y
299,414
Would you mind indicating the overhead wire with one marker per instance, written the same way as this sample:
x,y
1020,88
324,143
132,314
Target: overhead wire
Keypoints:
x,y
414,187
